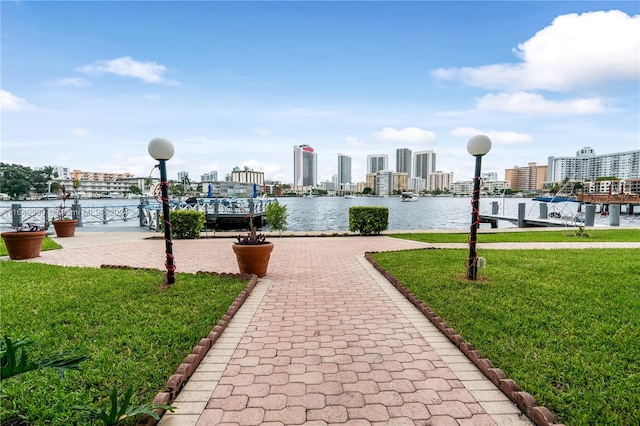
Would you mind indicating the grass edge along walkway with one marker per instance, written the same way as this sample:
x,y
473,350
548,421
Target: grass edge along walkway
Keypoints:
x,y
559,323
136,334
539,235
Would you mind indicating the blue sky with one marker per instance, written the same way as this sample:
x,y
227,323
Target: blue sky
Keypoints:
x,y
87,84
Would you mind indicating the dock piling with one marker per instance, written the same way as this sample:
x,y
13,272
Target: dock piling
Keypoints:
x,y
614,214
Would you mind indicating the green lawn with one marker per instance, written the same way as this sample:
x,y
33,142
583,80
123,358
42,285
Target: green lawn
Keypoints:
x,y
47,244
566,235
564,324
136,334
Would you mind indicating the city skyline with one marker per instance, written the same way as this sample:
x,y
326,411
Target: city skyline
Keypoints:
x,y
237,84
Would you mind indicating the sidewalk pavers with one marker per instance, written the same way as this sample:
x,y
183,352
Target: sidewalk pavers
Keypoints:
x,y
322,339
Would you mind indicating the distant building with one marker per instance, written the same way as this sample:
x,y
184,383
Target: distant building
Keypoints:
x,y
529,178
212,176
489,176
440,181
383,182
495,187
99,176
400,182
344,171
416,184
305,167
377,162
462,187
403,161
587,166
247,175
60,173
424,163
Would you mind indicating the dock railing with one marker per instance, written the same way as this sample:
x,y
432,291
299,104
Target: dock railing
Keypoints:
x,y
17,214
148,213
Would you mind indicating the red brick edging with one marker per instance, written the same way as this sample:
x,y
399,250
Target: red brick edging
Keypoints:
x,y
540,415
177,381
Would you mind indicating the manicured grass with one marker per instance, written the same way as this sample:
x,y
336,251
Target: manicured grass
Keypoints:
x,y
136,334
566,235
47,244
564,324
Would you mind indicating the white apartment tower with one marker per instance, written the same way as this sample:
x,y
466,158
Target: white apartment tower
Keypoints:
x,y
588,166
305,166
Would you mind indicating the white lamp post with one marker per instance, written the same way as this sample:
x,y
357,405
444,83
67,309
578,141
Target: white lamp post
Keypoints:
x,y
162,150
477,146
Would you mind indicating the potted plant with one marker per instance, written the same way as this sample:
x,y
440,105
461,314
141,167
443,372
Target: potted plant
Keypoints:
x,y
63,223
24,242
252,251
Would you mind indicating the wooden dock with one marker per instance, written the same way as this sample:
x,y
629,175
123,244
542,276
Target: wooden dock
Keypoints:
x,y
521,221
631,201
528,222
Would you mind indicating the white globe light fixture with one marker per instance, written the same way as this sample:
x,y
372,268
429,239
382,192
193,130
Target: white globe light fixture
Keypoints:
x,y
162,150
477,146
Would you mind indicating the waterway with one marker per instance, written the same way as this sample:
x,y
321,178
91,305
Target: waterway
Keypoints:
x,y
331,214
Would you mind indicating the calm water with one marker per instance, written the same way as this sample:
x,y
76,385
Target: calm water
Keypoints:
x,y
332,213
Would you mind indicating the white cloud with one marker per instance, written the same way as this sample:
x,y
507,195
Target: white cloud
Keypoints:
x,y
408,135
80,132
126,66
576,50
497,137
11,102
531,103
74,82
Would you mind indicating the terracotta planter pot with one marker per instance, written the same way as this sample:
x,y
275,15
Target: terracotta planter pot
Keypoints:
x,y
23,245
253,259
65,228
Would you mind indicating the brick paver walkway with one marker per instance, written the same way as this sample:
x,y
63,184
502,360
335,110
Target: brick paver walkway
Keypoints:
x,y
322,340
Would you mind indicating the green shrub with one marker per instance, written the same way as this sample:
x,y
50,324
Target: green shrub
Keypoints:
x,y
368,220
187,224
276,215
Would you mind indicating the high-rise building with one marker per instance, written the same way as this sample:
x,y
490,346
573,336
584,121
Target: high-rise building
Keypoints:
x,y
528,178
212,176
305,166
403,161
440,180
377,162
400,182
344,171
424,163
247,175
416,184
384,182
588,166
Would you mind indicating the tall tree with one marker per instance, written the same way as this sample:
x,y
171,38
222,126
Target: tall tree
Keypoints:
x,y
15,179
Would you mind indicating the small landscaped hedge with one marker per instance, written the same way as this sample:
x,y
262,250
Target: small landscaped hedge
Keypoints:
x,y
187,224
368,220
